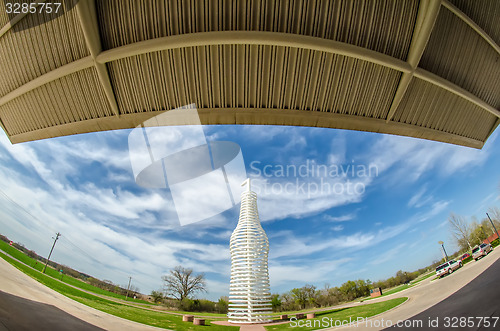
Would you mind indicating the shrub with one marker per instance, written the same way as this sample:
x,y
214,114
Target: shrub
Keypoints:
x,y
157,296
467,260
221,306
186,304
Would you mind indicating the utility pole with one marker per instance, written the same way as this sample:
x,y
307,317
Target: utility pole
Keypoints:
x,y
128,287
55,240
492,224
444,251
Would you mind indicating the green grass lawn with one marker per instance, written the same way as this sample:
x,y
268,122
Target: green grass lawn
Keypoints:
x,y
194,313
391,291
38,265
342,314
396,289
422,278
136,314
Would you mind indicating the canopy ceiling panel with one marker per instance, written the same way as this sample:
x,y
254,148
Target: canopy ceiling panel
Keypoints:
x,y
34,49
421,68
484,13
455,53
383,26
4,18
272,78
72,99
424,105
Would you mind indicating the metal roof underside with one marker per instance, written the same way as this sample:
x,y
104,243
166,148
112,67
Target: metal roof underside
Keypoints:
x,y
426,69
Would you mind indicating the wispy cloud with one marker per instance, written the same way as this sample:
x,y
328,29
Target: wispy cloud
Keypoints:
x,y
343,218
389,254
337,228
408,159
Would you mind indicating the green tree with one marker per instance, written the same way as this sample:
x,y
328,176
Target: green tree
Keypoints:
x,y
157,296
276,302
222,305
299,297
362,288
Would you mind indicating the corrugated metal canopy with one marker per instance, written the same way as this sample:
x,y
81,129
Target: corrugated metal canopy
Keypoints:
x,y
426,69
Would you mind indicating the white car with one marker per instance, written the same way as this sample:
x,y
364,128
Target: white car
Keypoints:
x,y
481,250
447,268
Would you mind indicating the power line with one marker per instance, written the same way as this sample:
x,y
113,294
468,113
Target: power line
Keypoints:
x,y
45,225
66,237
25,210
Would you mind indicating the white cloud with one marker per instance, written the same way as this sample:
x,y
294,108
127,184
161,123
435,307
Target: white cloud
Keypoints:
x,y
288,245
338,228
389,254
296,197
404,158
343,218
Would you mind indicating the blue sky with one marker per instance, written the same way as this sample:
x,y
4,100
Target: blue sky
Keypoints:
x,y
390,219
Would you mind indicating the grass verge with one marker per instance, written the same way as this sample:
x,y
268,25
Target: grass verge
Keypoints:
x,y
38,265
391,291
153,318
327,318
422,278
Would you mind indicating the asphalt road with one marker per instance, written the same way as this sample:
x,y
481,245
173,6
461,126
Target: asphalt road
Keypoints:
x,y
25,304
18,313
471,291
474,307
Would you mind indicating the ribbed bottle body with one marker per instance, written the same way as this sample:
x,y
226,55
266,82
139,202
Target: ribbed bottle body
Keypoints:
x,y
250,297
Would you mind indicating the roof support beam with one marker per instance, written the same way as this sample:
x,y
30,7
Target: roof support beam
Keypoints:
x,y
455,89
252,38
426,18
460,14
88,19
256,116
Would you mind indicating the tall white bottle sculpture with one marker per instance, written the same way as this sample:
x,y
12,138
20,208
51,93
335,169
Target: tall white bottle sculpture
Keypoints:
x,y
249,294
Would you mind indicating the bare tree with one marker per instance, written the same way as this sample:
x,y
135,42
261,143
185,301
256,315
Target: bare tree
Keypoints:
x,y
460,230
181,283
494,213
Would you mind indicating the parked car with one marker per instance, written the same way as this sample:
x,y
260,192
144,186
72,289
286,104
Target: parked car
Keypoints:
x,y
481,250
463,257
447,268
